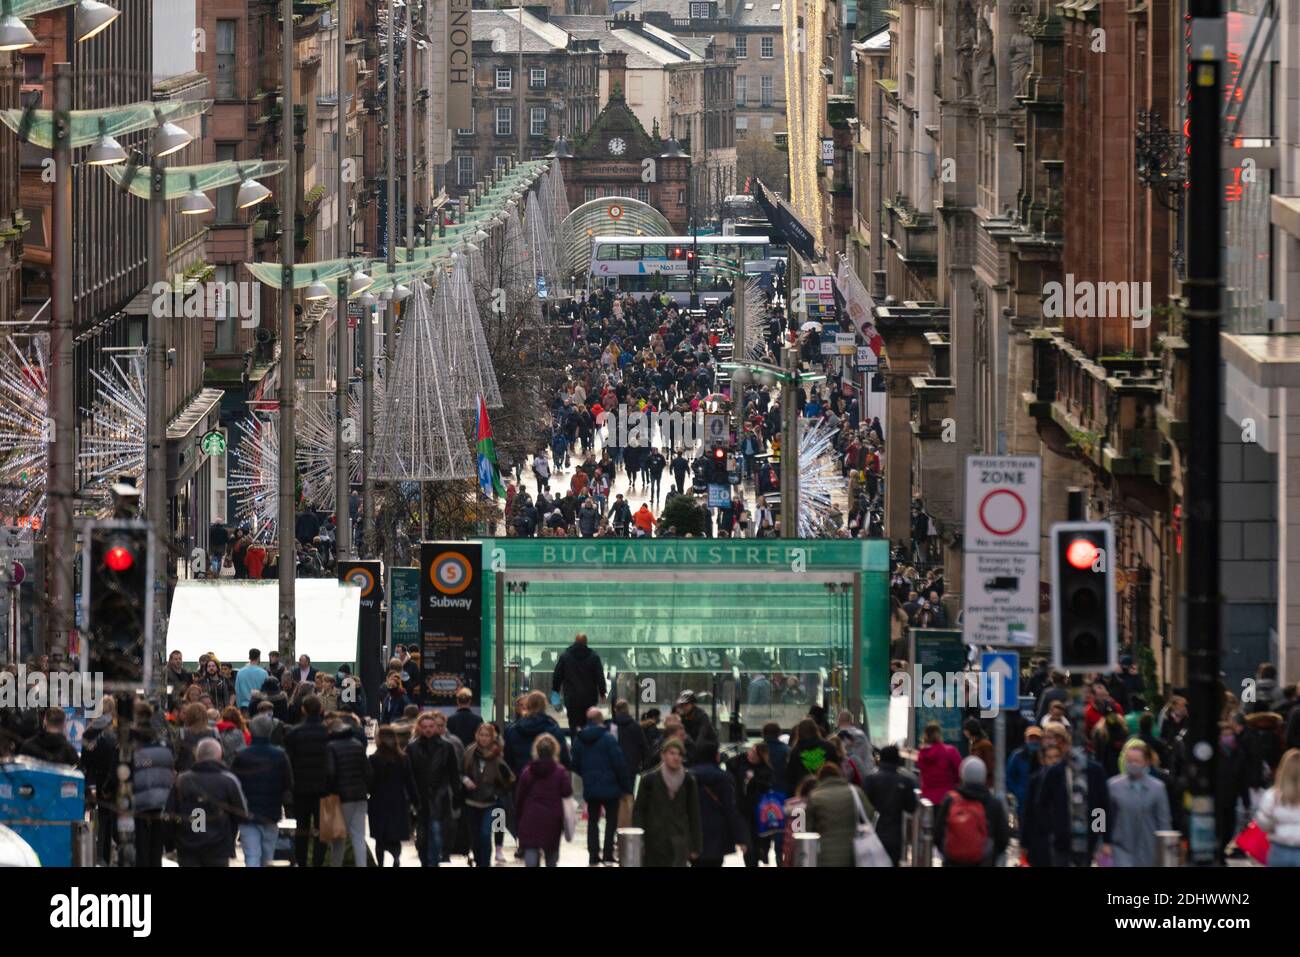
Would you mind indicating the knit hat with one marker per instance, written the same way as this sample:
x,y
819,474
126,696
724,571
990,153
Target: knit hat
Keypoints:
x,y
973,771
673,743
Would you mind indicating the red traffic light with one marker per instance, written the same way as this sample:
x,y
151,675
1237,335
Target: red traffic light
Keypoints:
x,y
719,453
677,253
1081,553
119,558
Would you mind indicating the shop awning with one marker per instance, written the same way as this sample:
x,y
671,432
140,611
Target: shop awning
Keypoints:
x,y
785,223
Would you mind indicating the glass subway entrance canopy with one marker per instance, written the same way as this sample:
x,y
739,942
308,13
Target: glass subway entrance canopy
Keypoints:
x,y
760,629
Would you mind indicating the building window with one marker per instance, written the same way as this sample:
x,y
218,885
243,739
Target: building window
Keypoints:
x,y
33,68
225,325
537,79
767,47
589,194
504,117
225,85
225,212
464,171
765,90
740,90
742,46
700,11
465,131
503,78
537,121
643,193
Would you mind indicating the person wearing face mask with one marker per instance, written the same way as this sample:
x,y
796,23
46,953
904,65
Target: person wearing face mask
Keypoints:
x,y
1232,786
1022,764
1139,808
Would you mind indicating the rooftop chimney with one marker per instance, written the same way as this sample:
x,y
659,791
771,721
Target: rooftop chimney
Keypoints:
x,y
616,61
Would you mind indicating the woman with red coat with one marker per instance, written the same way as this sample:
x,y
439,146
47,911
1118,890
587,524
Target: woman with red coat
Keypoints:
x,y
938,764
539,803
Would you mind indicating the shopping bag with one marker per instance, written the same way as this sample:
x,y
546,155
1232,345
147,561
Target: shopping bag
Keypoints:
x,y
868,851
1254,842
332,827
570,818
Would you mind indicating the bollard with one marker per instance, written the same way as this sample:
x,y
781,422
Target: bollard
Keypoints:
x,y
806,846
923,850
83,843
631,846
1169,849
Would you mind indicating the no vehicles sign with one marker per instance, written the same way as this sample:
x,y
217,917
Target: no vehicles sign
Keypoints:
x,y
1001,545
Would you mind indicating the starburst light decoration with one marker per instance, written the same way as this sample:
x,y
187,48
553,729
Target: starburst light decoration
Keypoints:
x,y
819,477
114,428
24,435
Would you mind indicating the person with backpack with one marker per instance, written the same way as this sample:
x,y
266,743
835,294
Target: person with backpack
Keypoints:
x,y
892,792
970,826
210,794
153,773
721,825
761,806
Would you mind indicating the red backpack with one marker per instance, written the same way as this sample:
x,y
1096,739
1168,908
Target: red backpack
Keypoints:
x,y
967,831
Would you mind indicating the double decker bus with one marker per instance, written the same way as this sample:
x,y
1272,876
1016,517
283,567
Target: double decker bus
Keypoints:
x,y
644,265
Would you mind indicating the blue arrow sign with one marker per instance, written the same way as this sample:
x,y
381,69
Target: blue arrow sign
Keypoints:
x,y
1005,666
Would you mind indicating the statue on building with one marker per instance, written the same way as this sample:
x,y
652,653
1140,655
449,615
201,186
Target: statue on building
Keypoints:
x,y
966,36
1022,61
986,71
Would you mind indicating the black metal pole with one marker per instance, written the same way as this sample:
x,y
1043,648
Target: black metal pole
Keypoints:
x,y
1201,491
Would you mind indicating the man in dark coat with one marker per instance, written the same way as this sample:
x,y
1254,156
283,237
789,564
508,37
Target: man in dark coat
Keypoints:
x,y
599,761
306,747
698,726
723,829
464,722
207,803
580,678
51,744
892,792
631,737
668,809
437,783
99,766
265,774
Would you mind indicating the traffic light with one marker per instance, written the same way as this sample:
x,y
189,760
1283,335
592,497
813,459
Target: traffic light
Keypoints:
x,y
117,599
1083,597
718,465
692,260
677,253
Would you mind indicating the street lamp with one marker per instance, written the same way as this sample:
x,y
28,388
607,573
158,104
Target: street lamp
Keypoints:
x,y
106,151
359,282
195,202
92,17
251,192
317,289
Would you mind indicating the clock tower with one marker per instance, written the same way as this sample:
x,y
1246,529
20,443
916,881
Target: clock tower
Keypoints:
x,y
617,158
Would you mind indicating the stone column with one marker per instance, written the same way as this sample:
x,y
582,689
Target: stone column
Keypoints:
x,y
922,145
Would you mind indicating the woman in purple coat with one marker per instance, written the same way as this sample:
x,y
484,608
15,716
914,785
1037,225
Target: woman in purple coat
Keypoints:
x,y
539,803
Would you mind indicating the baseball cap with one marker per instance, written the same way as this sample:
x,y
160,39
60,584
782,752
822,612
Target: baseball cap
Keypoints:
x,y
685,697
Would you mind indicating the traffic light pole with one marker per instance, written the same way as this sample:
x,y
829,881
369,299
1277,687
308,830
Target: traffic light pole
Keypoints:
x,y
155,395
1203,293
60,538
790,444
288,344
343,364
